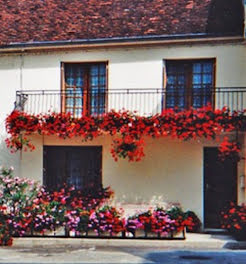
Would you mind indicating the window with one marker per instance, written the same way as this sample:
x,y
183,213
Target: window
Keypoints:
x,y
80,167
84,89
189,83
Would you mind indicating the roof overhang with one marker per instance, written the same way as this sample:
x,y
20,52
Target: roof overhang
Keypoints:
x,y
117,42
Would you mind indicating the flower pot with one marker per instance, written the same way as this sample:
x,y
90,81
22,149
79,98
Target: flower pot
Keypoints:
x,y
177,234
106,234
153,235
140,233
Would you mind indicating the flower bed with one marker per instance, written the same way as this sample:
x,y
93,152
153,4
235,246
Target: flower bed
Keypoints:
x,y
128,129
27,209
156,221
5,234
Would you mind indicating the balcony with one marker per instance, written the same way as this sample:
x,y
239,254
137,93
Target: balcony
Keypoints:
x,y
144,101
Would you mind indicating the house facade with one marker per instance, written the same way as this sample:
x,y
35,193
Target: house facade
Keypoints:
x,y
138,57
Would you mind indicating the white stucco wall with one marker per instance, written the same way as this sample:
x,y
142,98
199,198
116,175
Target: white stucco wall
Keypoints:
x,y
136,68
127,68
178,174
9,82
171,171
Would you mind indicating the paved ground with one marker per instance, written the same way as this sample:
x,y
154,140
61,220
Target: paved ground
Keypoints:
x,y
196,249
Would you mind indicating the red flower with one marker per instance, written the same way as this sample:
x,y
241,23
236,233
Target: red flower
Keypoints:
x,y
187,124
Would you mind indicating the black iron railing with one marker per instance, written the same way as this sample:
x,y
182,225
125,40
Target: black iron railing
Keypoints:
x,y
144,101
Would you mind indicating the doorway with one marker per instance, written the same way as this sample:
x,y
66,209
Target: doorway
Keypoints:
x,y
220,186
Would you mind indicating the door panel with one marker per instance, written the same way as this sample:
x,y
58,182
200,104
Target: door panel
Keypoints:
x,y
76,166
220,186
54,168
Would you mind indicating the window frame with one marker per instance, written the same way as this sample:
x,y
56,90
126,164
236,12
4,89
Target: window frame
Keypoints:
x,y
86,105
188,85
64,150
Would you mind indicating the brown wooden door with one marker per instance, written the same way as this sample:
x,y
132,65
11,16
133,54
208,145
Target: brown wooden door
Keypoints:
x,y
76,166
220,186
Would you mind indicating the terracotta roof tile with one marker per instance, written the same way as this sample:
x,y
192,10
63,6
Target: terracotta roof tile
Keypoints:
x,y
50,20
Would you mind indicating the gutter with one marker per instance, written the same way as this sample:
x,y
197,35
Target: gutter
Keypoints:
x,y
202,38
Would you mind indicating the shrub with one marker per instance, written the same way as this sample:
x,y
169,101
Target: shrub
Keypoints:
x,y
163,224
26,207
108,219
233,218
160,221
195,223
5,233
177,214
17,195
31,209
188,220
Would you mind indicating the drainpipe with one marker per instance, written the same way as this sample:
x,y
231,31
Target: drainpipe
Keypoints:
x,y
21,71
21,88
244,134
244,18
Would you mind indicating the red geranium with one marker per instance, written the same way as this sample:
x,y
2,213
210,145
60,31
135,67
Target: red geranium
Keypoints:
x,y
233,218
130,128
229,150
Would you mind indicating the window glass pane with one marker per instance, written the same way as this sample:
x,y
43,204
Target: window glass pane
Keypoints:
x,y
79,76
102,69
175,90
78,112
180,97
197,78
207,99
197,101
79,81
69,91
207,78
207,67
197,68
94,80
69,110
202,93
97,88
181,102
171,79
94,70
78,91
170,102
102,80
74,81
181,79
181,89
69,76
78,102
69,102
